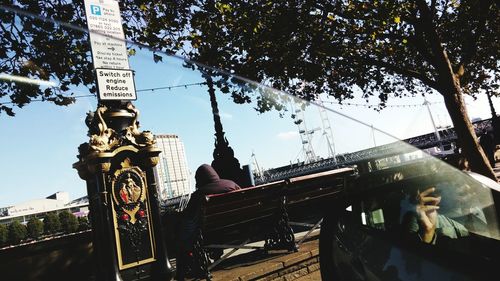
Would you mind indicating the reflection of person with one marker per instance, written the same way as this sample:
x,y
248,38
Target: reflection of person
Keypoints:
x,y
207,182
428,224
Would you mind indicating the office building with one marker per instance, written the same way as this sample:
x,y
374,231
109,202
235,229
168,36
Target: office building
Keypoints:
x,y
38,208
172,173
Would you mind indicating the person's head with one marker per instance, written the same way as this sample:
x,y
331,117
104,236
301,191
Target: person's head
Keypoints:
x,y
205,174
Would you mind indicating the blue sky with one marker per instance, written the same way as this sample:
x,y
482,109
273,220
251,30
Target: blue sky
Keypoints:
x,y
39,145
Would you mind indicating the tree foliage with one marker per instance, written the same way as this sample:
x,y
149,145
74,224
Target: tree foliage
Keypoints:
x,y
51,223
17,232
54,56
69,222
83,223
4,234
384,48
35,228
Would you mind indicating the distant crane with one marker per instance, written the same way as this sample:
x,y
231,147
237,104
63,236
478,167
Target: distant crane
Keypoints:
x,y
257,170
436,132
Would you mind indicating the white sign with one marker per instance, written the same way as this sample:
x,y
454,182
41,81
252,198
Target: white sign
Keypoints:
x,y
107,40
116,84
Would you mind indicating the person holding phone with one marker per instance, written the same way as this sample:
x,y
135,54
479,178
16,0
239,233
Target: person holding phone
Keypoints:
x,y
426,222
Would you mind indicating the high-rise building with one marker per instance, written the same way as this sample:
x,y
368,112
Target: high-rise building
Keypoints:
x,y
172,173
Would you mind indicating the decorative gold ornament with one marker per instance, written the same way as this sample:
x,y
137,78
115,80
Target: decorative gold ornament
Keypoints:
x,y
106,139
131,216
129,190
104,167
133,135
150,161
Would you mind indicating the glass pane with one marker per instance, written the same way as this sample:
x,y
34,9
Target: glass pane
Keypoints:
x,y
253,134
279,136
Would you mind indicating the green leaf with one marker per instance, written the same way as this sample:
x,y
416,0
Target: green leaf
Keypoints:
x,y
157,58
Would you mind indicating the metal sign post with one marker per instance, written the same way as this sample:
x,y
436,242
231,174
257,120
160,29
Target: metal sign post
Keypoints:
x,y
107,39
117,163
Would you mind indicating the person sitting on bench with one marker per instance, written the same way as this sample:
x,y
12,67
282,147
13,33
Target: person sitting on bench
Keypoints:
x,y
207,182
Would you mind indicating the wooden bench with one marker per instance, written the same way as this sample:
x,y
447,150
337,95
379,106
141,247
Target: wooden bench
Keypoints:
x,y
261,213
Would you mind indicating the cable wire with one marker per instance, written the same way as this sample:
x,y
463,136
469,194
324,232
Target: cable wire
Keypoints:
x,y
172,87
372,105
141,90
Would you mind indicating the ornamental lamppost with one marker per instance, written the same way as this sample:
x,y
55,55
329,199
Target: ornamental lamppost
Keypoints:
x,y
117,162
226,165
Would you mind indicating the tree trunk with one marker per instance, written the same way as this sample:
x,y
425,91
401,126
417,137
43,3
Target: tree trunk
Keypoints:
x,y
448,84
455,104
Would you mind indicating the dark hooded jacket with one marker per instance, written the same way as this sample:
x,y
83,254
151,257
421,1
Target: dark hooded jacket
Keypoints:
x,y
209,182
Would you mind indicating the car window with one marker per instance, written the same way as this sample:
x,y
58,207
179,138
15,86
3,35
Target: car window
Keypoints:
x,y
461,210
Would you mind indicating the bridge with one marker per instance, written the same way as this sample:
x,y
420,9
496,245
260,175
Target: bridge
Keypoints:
x,y
446,137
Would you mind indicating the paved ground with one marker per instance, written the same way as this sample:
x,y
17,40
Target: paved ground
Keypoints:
x,y
256,265
315,276
274,266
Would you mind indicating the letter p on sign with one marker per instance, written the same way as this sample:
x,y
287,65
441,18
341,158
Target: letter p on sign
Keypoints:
x,y
95,10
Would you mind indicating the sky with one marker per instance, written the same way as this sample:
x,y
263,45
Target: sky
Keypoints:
x,y
39,145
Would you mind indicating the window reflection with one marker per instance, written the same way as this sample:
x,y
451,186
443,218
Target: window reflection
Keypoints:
x,y
447,206
425,219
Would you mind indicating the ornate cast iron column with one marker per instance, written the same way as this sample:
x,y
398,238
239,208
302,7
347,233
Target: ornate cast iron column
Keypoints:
x,y
226,165
117,164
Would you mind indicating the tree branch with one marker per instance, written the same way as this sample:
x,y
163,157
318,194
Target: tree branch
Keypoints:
x,y
443,63
419,43
433,7
405,72
470,48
